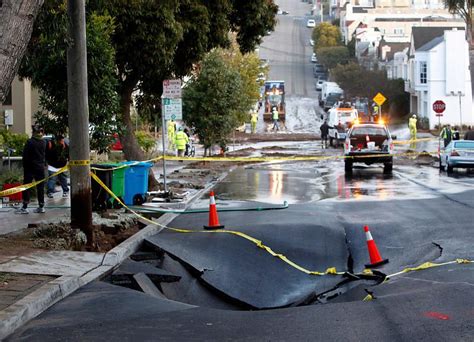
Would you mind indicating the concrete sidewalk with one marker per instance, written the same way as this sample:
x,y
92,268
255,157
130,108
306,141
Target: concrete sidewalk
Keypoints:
x,y
31,283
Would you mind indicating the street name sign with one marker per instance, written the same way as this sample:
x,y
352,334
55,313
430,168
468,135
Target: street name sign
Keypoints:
x,y
379,99
171,89
173,109
439,107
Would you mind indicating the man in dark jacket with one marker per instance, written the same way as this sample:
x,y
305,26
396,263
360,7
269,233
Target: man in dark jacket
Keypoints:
x,y
324,134
33,169
57,156
469,135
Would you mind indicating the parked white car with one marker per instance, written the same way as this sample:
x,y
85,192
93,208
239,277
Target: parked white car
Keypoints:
x,y
459,153
314,59
311,42
311,23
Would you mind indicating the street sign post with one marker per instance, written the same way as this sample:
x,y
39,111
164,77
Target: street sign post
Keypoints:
x,y
379,99
171,110
172,89
439,107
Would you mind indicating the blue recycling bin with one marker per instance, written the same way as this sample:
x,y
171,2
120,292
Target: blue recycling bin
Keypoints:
x,y
136,182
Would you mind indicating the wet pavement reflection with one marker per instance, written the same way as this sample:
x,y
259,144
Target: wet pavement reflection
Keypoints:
x,y
305,182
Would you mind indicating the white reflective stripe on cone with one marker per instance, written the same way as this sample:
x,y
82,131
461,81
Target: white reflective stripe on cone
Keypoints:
x,y
212,200
368,236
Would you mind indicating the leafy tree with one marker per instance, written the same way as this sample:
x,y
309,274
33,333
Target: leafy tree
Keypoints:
x,y
332,56
214,100
360,82
464,9
326,35
248,66
45,64
173,36
252,20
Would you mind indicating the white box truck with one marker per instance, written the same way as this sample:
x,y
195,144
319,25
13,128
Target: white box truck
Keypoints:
x,y
329,89
340,119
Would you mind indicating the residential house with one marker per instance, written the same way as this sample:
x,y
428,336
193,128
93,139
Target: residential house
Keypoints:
x,y
396,20
21,104
438,69
393,57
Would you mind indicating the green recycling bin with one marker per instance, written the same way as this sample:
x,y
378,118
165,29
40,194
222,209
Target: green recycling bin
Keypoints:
x,y
118,185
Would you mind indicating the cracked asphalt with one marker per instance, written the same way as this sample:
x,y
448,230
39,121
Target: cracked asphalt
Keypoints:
x,y
214,286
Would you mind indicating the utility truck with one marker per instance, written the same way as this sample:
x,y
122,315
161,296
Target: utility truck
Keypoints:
x,y
332,90
274,98
340,119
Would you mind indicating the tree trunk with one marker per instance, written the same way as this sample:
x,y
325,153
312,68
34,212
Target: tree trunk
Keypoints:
x,y
131,149
16,25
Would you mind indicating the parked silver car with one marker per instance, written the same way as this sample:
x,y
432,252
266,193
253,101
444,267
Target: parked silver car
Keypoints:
x,y
458,153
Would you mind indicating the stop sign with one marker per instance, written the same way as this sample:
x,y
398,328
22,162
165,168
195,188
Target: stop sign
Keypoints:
x,y
439,106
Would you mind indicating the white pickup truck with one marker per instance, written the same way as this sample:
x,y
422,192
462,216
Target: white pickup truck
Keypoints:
x,y
339,122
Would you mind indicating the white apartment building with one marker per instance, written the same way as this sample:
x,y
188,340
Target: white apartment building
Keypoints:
x,y
438,69
20,105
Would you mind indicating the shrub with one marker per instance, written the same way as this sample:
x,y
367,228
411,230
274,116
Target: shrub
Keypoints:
x,y
15,175
15,141
145,140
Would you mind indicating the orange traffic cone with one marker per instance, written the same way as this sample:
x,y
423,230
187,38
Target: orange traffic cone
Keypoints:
x,y
375,258
213,218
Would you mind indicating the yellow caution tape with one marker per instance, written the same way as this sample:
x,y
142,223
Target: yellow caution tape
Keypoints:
x,y
406,142
79,162
367,298
24,187
297,158
428,265
258,243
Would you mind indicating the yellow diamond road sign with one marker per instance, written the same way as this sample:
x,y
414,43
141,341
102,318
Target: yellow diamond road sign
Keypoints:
x,y
379,99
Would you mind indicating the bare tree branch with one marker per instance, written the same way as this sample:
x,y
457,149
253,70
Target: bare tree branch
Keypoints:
x,y
16,26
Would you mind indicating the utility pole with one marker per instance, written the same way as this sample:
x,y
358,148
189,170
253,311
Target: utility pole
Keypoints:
x,y
78,111
460,113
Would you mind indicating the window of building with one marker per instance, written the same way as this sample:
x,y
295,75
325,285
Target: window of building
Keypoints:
x,y
8,99
423,72
398,31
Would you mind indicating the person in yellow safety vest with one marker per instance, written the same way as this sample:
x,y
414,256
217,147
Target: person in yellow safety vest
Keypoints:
x,y
412,126
253,121
171,134
181,139
275,118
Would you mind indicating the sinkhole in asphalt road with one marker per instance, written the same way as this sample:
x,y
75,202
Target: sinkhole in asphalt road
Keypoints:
x,y
160,274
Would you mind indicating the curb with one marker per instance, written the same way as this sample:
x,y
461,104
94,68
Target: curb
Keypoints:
x,y
32,305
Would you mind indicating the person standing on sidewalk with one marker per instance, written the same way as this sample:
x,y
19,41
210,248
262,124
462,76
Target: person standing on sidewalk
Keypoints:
x,y
33,169
181,139
253,122
446,134
171,134
324,134
57,156
275,119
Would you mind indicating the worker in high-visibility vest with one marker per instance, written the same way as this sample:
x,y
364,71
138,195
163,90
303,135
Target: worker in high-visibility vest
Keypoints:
x,y
275,119
412,127
253,121
171,134
181,139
